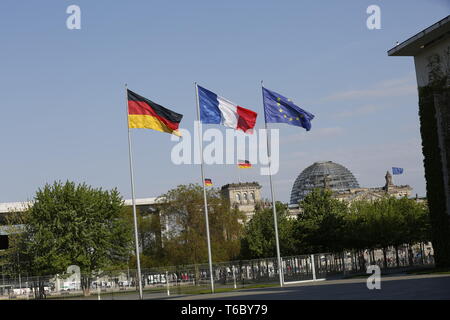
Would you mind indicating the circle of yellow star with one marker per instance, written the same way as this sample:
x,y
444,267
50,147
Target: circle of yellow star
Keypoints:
x,y
285,116
281,110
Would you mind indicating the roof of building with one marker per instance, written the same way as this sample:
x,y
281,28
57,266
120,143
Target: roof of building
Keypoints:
x,y
333,175
22,206
142,201
242,184
423,39
14,206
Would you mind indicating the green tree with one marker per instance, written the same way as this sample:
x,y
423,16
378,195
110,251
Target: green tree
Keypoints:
x,y
386,222
259,237
71,224
149,231
320,227
416,227
357,235
184,229
357,232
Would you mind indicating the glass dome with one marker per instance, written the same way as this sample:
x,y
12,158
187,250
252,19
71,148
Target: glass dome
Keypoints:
x,y
333,175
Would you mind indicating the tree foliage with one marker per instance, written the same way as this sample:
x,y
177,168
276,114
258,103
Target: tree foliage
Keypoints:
x,y
71,224
183,225
329,225
259,237
320,228
386,222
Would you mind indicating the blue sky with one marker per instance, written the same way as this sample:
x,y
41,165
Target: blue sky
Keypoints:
x,y
62,91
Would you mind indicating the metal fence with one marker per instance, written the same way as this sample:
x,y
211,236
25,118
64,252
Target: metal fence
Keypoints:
x,y
191,279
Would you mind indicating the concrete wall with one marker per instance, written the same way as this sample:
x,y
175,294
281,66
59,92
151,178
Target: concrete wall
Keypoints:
x,y
436,56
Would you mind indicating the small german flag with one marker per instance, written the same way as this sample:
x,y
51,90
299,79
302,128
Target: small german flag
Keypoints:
x,y
208,182
144,113
244,164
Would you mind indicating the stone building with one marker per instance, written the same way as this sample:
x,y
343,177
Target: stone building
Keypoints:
x,y
245,196
389,189
342,183
336,176
146,207
431,51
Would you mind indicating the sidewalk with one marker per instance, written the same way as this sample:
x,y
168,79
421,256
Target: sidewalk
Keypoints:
x,y
431,286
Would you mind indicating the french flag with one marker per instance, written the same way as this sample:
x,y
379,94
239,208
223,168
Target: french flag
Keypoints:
x,y
217,110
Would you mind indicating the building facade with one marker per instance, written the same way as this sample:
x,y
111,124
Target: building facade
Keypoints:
x,y
431,51
371,194
342,183
334,175
244,196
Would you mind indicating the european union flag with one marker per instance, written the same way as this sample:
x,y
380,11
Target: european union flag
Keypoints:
x,y
279,109
397,170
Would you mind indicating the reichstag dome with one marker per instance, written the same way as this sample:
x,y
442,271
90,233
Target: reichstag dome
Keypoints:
x,y
319,175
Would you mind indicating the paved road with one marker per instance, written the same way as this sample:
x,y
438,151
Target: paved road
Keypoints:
x,y
428,287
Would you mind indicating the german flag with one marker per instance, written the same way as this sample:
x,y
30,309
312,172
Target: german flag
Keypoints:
x,y
208,182
144,113
244,164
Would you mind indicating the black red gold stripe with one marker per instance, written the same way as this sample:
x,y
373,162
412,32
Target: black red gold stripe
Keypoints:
x,y
144,113
244,164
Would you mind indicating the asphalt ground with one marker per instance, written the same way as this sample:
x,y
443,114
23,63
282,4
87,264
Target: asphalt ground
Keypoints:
x,y
425,287
400,287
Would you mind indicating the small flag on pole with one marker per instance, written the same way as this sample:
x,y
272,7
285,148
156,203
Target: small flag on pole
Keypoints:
x,y
144,113
397,170
244,164
208,182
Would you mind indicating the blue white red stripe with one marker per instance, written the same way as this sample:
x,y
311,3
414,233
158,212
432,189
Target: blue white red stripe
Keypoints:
x,y
218,110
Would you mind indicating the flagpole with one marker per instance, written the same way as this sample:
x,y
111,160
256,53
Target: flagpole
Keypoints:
x,y
269,154
204,190
136,238
239,173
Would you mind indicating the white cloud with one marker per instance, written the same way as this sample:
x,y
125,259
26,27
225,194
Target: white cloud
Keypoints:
x,y
387,88
317,134
359,111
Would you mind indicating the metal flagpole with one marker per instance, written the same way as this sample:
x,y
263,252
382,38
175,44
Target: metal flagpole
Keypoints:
x,y
204,189
136,238
239,173
280,267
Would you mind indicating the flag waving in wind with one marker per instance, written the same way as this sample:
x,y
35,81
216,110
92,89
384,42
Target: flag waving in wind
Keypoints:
x,y
244,164
278,109
144,113
397,170
218,110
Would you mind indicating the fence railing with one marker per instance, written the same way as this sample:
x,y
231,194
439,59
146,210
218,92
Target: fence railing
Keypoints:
x,y
187,279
